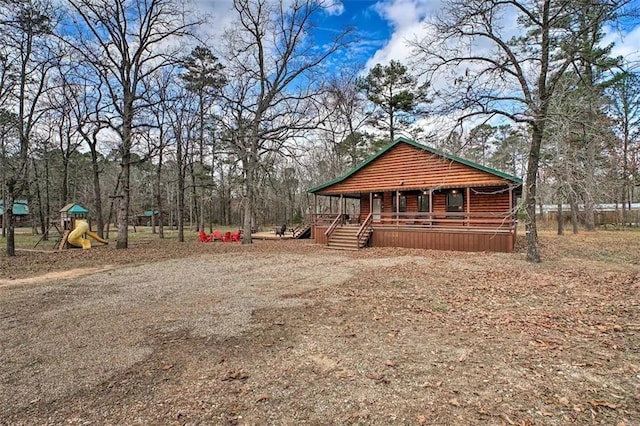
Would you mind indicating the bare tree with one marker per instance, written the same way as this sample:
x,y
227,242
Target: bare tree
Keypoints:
x,y
346,118
513,75
89,116
126,41
271,100
624,108
27,27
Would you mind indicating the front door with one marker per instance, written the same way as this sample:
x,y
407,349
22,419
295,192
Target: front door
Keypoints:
x,y
377,208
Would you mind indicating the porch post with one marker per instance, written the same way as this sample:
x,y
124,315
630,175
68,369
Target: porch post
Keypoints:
x,y
468,205
370,205
397,208
340,210
315,204
330,204
430,207
511,209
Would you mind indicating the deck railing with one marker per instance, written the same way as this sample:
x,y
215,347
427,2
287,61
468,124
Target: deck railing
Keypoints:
x,y
476,221
364,229
495,221
322,219
339,220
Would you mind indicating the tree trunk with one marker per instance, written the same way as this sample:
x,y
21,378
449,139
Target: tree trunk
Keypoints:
x,y
123,210
125,189
573,204
180,195
159,190
250,167
8,213
533,250
560,219
97,192
43,225
194,198
589,214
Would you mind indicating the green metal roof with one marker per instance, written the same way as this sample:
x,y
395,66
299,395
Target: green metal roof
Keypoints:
x,y
20,207
77,209
420,146
149,213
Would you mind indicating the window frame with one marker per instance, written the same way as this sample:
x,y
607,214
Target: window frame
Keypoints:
x,y
423,198
402,200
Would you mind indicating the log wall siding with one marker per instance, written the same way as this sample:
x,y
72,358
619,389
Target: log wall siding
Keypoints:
x,y
416,169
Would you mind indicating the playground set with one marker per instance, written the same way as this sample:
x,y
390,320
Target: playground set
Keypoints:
x,y
74,227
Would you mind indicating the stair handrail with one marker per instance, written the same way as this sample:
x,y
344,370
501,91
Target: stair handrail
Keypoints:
x,y
365,225
333,226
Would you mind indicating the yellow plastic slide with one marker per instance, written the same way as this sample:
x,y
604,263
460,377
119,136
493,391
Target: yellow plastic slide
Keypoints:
x,y
75,237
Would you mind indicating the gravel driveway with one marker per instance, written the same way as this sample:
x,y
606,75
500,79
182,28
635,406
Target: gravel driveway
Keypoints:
x,y
293,334
60,337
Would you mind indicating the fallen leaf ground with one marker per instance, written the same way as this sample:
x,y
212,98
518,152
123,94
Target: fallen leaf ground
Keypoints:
x,y
380,336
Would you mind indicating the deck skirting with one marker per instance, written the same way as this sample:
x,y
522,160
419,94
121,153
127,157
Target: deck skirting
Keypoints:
x,y
461,239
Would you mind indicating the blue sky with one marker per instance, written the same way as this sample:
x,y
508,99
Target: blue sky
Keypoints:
x,y
386,25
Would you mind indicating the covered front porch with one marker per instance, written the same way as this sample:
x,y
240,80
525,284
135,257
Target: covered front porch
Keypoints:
x,y
473,218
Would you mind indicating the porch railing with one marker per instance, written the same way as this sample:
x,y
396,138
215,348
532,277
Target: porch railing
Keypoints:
x,y
476,221
495,221
339,220
364,230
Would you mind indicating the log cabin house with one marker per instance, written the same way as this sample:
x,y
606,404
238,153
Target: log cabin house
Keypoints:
x,y
410,195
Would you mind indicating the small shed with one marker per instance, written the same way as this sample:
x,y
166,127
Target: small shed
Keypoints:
x,y
147,217
20,211
71,212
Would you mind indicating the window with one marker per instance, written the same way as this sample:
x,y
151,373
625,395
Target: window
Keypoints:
x,y
455,201
423,202
403,203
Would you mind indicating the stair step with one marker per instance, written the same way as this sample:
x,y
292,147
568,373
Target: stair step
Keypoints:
x,y
342,248
339,238
346,238
343,242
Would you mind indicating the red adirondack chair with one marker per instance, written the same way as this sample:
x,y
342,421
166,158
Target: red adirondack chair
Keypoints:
x,y
236,236
204,237
217,235
227,237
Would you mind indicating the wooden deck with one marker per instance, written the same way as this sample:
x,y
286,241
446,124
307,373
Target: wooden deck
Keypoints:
x,y
270,235
458,239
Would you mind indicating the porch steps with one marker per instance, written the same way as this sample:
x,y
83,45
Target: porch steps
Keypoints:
x,y
346,238
303,231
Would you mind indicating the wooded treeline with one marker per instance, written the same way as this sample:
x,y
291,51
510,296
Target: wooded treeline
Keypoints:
x,y
116,105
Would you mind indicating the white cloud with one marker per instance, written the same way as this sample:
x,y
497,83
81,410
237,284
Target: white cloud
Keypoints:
x,y
407,18
335,8
626,43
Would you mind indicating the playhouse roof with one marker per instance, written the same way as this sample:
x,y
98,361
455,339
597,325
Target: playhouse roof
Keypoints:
x,y
20,207
403,140
73,208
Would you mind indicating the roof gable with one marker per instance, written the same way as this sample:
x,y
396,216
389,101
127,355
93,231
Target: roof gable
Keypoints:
x,y
413,166
74,208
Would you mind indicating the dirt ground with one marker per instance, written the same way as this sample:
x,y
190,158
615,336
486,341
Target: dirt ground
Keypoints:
x,y
287,332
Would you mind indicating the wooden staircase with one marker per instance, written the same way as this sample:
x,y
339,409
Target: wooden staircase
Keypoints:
x,y
345,237
303,231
